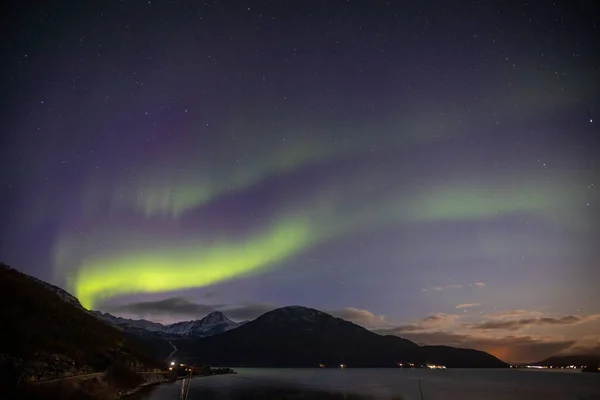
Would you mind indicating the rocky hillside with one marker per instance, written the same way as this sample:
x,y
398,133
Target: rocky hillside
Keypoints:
x,y
47,334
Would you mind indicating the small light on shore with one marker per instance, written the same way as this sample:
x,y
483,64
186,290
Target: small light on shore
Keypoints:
x,y
433,366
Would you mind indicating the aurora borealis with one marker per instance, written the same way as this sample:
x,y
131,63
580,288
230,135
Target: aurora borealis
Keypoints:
x,y
384,163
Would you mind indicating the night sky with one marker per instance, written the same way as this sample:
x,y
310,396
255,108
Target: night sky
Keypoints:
x,y
427,169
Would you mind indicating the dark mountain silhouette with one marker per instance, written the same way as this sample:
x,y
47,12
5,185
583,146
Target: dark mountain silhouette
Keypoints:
x,y
577,359
47,333
454,357
303,337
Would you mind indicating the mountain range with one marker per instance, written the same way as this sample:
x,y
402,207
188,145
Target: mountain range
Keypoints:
x,y
43,318
214,323
292,336
303,337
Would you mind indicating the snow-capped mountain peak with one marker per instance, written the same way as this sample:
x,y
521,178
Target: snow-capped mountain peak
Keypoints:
x,y
213,323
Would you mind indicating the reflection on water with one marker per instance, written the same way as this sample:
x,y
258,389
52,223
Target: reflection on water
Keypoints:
x,y
354,384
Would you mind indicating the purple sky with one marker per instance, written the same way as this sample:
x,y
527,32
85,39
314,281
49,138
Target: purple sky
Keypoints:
x,y
420,169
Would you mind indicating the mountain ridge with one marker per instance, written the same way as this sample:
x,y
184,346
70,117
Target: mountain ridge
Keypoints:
x,y
297,336
571,359
287,336
48,334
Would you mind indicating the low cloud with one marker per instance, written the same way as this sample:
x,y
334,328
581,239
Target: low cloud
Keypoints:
x,y
518,319
586,344
514,349
209,294
433,322
480,284
361,317
512,345
180,308
440,288
247,311
175,309
468,305
522,323
172,306
455,286
514,313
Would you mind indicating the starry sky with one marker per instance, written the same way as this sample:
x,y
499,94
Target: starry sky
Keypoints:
x,y
424,169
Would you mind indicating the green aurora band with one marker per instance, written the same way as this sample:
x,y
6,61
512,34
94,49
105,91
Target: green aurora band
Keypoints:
x,y
181,183
192,266
185,179
148,267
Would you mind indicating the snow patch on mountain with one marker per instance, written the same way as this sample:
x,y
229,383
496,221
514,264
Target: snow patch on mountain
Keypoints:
x,y
214,323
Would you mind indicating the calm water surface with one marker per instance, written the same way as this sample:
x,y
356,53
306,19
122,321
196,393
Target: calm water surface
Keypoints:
x,y
455,384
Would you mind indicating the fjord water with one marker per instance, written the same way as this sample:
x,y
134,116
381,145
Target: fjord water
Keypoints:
x,y
450,384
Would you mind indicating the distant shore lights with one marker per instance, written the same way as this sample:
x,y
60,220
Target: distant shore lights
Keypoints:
x,y
433,366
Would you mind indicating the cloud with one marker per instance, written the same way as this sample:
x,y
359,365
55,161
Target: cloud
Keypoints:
x,y
468,305
514,313
173,306
514,349
180,308
587,344
499,334
523,323
435,322
440,288
247,311
439,318
454,286
505,321
362,317
209,294
479,284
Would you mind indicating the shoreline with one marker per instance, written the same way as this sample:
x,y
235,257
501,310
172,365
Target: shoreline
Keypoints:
x,y
103,387
149,385
146,385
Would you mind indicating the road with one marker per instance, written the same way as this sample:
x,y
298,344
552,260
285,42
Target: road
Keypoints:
x,y
85,376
